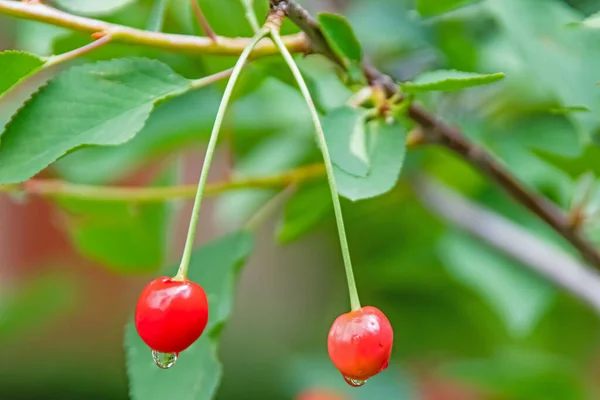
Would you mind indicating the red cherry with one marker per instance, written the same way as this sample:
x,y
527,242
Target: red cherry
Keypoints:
x,y
360,344
170,315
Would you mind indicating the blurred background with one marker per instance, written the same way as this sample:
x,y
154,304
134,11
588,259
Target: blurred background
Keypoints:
x,y
470,320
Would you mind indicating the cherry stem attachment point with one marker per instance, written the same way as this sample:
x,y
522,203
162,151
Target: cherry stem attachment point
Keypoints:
x,y
212,144
337,208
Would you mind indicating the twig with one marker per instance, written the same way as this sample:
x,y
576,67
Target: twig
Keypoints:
x,y
436,131
501,233
59,189
203,21
207,80
123,34
54,60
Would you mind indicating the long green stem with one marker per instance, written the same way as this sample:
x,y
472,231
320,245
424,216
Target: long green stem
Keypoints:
x,y
354,300
212,144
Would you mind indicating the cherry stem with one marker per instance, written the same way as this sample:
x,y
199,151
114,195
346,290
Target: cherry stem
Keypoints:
x,y
212,144
337,208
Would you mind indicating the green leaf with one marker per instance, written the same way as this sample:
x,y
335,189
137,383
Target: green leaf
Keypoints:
x,y
387,147
280,111
340,36
304,211
346,139
560,59
194,112
517,295
197,373
428,8
575,166
16,66
35,303
93,8
548,132
127,237
448,80
105,103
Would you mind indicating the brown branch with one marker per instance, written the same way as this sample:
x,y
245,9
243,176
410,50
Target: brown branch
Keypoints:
x,y
127,35
454,140
439,132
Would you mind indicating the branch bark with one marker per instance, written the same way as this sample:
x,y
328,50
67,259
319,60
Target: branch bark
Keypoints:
x,y
124,34
439,132
501,233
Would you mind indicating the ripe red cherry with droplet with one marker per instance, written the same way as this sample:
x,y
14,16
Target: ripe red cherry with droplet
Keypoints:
x,y
360,344
171,314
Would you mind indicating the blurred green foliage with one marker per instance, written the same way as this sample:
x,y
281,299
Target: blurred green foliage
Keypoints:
x,y
461,310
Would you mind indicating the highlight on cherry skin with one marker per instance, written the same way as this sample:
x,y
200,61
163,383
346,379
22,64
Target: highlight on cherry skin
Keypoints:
x,y
360,344
170,315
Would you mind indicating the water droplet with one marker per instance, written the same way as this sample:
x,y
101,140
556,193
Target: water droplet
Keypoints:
x,y
354,382
164,360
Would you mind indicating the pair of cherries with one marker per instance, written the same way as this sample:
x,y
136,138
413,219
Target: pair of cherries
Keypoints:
x,y
172,314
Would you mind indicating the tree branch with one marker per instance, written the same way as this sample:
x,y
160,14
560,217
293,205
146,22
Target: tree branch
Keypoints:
x,y
124,34
59,189
439,132
550,262
454,140
61,58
